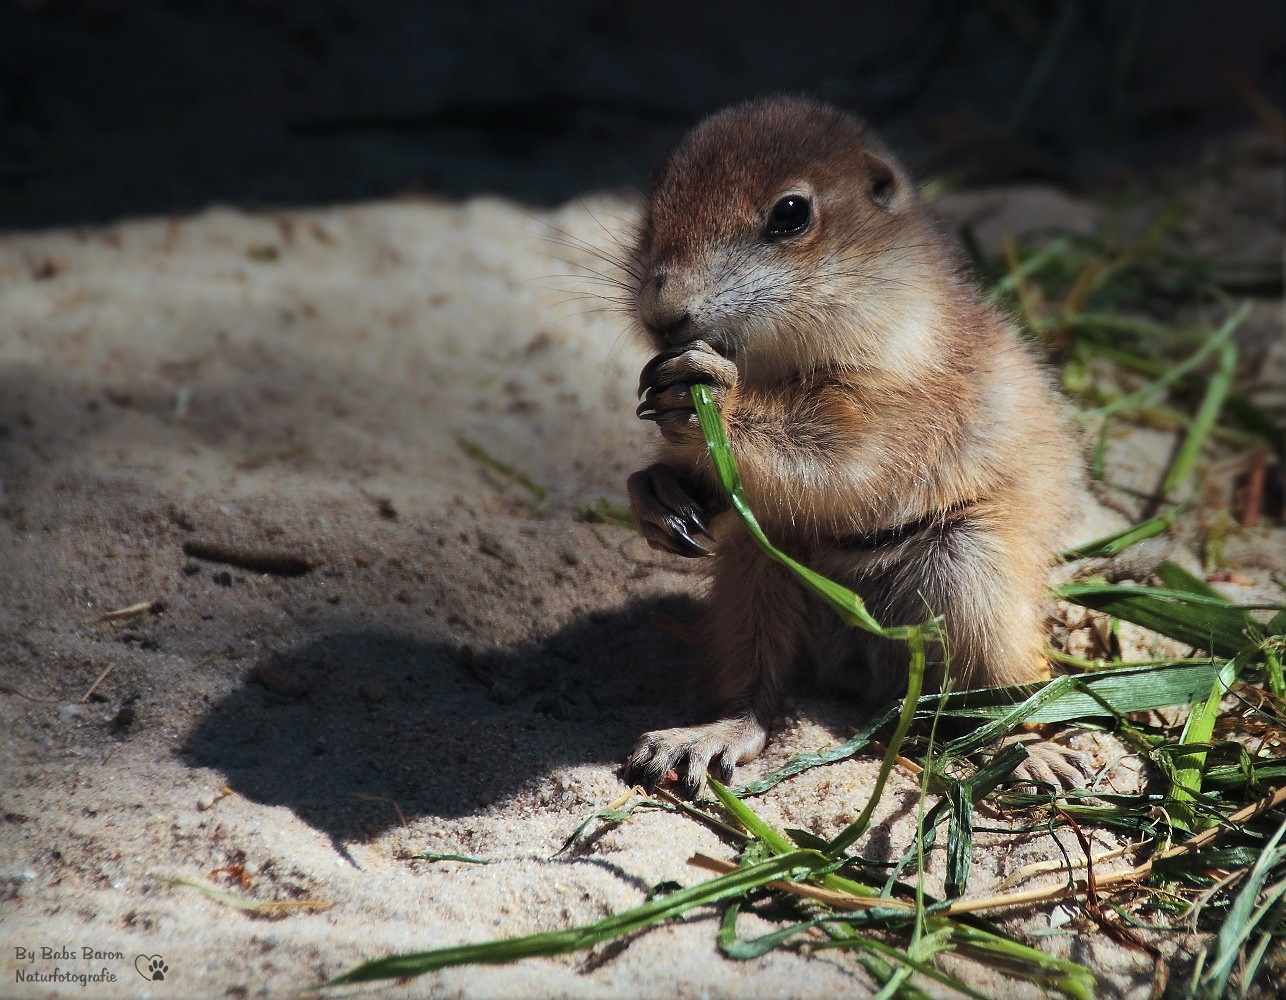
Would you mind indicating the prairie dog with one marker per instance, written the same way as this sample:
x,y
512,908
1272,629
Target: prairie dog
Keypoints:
x,y
893,431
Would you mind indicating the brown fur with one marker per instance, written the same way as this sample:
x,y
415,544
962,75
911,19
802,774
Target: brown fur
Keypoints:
x,y
865,386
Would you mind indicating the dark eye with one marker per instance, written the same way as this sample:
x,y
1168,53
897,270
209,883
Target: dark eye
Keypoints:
x,y
788,217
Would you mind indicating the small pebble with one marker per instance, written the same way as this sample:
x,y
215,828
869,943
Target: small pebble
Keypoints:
x,y
125,717
186,826
280,678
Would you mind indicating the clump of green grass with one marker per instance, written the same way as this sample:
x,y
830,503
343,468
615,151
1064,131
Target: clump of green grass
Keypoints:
x,y
1208,837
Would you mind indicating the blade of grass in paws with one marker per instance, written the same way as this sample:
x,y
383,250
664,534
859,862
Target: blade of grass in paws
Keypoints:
x,y
736,883
847,604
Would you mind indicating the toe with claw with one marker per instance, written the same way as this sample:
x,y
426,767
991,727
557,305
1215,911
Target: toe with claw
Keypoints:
x,y
694,752
670,518
665,388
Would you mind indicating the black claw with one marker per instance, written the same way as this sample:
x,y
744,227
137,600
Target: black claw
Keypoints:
x,y
690,546
649,370
650,408
658,539
696,526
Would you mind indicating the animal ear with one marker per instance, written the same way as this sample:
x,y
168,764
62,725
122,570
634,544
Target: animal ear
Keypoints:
x,y
882,184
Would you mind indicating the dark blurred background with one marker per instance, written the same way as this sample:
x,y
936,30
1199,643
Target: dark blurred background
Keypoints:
x,y
110,108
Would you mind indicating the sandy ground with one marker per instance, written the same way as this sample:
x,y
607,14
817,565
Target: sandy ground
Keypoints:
x,y
461,671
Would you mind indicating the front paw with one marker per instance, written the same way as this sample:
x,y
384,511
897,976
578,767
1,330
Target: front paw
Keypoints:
x,y
670,519
693,752
664,387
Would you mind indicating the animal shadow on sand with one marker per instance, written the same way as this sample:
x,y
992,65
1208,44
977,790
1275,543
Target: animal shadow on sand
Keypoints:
x,y
333,726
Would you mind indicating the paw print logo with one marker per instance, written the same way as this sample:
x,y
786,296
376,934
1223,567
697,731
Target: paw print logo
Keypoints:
x,y
151,967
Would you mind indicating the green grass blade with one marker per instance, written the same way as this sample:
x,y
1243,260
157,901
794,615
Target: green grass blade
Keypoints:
x,y
1110,692
1211,404
733,884
988,778
1242,918
1176,577
959,840
847,604
1202,862
1022,961
606,815
1113,693
1273,670
1203,622
1027,711
915,963
609,512
1186,771
743,949
1153,390
476,451
1050,251
915,683
1110,545
926,838
778,842
1113,323
809,759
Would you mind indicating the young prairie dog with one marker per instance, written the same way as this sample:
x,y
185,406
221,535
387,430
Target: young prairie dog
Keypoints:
x,y
893,432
